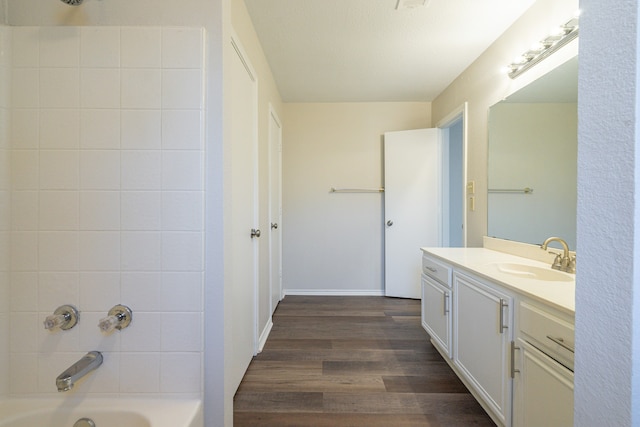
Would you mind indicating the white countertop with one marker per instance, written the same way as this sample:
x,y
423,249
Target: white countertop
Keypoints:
x,y
558,294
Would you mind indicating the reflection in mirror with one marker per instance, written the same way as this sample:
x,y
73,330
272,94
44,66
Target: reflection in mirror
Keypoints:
x,y
533,145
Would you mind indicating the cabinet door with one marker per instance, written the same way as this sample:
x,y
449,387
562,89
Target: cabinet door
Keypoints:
x,y
482,342
543,390
436,313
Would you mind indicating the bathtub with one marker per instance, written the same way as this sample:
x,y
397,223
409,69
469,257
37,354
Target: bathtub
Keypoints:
x,y
104,412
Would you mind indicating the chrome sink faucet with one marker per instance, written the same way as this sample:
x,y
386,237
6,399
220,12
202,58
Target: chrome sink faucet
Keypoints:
x,y
564,262
78,370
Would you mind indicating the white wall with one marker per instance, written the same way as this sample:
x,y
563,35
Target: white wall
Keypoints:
x,y
607,299
484,83
333,242
535,146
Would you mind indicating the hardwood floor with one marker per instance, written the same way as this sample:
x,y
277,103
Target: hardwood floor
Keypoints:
x,y
352,361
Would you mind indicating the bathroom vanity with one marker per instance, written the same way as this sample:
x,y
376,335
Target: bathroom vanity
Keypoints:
x,y
505,324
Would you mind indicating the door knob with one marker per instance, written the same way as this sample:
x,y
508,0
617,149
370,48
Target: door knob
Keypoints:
x,y
255,233
274,225
389,223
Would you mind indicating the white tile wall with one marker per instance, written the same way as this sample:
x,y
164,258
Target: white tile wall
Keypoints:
x,y
106,207
23,133
59,129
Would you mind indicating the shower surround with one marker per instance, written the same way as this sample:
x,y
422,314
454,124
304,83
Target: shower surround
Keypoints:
x,y
106,204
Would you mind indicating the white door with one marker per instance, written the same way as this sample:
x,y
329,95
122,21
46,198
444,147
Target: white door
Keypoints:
x,y
412,205
275,209
243,247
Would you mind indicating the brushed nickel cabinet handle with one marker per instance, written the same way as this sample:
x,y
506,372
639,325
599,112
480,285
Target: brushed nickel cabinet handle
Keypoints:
x,y
513,359
446,305
501,327
561,343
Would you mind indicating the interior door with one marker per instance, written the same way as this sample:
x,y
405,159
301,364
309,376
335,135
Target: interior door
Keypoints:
x,y
275,209
243,243
412,205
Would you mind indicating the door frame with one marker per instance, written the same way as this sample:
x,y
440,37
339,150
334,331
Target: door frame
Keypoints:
x,y
277,287
457,114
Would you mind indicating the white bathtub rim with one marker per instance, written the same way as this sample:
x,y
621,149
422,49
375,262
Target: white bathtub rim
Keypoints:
x,y
158,411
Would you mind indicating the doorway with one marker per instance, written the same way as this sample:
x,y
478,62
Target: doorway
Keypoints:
x,y
454,177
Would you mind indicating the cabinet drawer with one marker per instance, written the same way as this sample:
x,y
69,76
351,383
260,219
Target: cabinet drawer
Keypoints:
x,y
548,333
436,270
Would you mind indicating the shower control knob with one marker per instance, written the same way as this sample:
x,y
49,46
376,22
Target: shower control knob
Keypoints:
x,y
389,223
119,317
65,317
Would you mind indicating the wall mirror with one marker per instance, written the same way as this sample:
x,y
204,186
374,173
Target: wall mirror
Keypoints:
x,y
532,160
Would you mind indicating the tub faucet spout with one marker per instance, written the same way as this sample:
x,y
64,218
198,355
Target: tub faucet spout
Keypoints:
x,y
78,370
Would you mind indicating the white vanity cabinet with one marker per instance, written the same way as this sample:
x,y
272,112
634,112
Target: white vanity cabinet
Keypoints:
x,y
436,303
543,368
483,331
511,347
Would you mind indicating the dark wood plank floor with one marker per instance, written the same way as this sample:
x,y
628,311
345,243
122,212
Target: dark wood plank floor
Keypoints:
x,y
352,361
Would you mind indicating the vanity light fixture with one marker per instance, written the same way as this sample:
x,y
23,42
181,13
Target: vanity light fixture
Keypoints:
x,y
544,48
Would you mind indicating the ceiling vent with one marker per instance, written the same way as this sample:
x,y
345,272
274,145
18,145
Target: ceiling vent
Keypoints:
x,y
410,4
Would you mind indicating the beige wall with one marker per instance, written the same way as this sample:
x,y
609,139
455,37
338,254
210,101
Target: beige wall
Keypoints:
x,y
333,242
484,83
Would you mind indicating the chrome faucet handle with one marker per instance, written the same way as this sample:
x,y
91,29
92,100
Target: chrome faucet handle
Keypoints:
x,y
119,317
64,317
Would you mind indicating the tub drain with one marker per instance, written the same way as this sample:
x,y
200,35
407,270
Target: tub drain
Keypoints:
x,y
84,422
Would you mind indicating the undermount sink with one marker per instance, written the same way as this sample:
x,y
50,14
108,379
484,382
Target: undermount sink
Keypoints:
x,y
526,271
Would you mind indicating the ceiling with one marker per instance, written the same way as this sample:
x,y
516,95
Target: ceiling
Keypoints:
x,y
366,50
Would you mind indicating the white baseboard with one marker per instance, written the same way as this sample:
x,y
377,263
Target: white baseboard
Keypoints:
x,y
334,292
264,335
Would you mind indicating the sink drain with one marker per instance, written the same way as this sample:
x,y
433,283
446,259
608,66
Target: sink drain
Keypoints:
x,y
84,422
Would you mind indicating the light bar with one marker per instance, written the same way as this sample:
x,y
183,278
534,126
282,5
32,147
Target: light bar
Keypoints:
x,y
544,48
